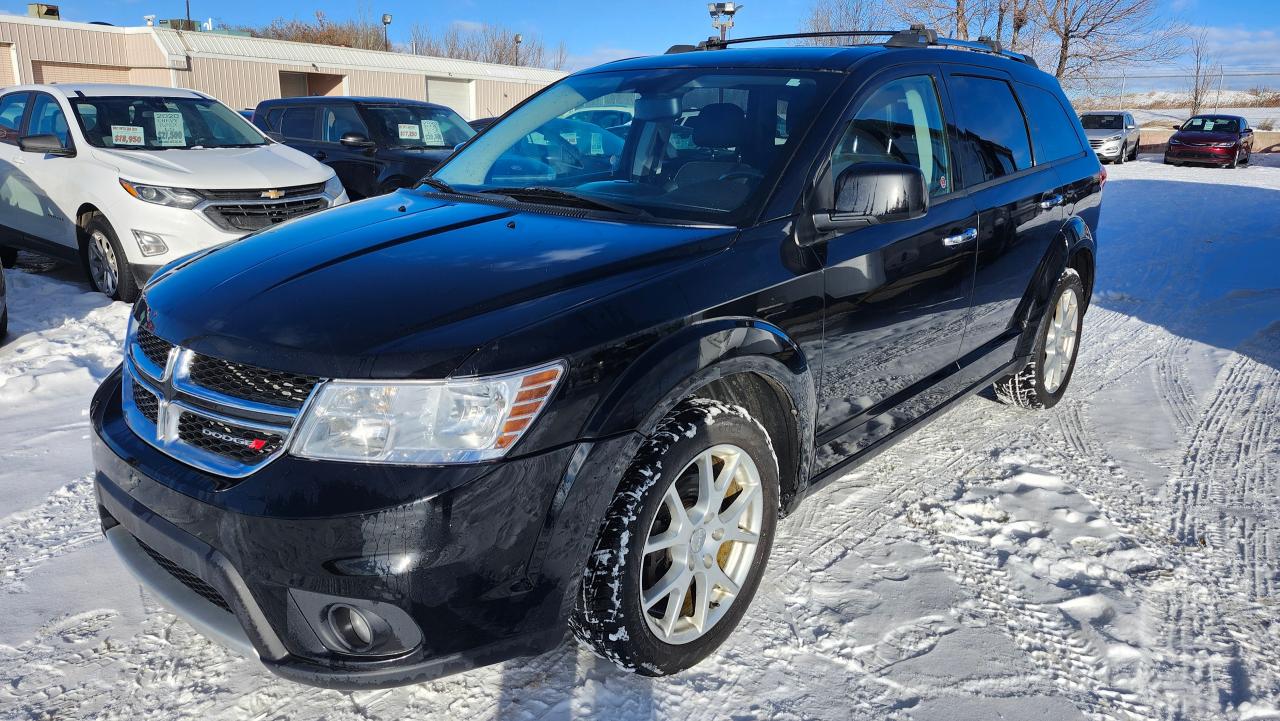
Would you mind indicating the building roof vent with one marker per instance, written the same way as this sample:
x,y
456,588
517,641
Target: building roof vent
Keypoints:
x,y
44,12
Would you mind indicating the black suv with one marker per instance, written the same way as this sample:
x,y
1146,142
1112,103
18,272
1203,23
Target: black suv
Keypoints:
x,y
375,145
573,383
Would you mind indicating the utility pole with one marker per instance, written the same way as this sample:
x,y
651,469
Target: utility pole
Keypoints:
x,y
188,25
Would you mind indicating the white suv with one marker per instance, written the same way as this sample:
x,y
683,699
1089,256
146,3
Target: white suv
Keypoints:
x,y
126,178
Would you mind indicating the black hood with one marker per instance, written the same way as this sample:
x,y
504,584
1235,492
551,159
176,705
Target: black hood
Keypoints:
x,y
404,285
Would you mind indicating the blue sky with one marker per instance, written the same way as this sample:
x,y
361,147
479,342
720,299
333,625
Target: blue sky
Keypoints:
x,y
599,31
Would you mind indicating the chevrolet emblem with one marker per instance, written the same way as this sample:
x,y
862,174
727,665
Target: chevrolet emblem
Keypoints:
x,y
273,194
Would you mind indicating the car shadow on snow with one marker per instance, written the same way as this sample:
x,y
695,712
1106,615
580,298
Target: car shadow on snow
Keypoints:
x,y
1201,260
571,683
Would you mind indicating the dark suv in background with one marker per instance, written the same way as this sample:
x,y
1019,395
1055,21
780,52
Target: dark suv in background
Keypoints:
x,y
574,381
375,145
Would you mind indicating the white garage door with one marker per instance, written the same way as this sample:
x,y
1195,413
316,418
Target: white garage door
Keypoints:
x,y
49,72
455,94
6,66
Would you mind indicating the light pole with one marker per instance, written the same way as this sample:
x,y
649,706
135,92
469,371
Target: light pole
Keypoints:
x,y
722,17
519,39
386,21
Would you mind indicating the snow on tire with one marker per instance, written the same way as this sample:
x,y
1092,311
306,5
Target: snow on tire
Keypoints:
x,y
1043,381
684,543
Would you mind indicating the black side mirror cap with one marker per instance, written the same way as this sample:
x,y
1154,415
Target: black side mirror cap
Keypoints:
x,y
873,193
356,140
45,144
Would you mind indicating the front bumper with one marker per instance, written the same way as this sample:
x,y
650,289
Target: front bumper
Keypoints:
x,y
1200,154
479,570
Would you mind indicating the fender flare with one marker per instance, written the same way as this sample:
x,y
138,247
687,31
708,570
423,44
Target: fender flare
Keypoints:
x,y
1073,238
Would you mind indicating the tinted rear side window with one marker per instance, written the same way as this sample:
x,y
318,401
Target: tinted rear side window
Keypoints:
x,y
1053,134
992,128
299,123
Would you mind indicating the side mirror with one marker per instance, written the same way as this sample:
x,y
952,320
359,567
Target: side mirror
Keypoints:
x,y
873,193
356,140
44,144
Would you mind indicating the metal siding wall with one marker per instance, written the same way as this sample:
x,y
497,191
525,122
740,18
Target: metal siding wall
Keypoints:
x,y
49,72
76,45
6,66
387,85
495,97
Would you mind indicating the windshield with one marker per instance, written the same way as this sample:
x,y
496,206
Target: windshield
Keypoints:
x,y
699,145
1102,122
162,123
418,126
1208,124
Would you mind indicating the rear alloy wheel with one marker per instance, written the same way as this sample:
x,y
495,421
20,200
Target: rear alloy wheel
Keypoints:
x,y
1043,382
105,262
684,543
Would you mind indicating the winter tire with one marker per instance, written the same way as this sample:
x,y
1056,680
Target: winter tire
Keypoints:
x,y
684,543
1043,382
1123,156
105,263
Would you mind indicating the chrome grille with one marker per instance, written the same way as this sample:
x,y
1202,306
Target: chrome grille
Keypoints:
x,y
226,418
1095,142
155,348
251,383
256,216
263,193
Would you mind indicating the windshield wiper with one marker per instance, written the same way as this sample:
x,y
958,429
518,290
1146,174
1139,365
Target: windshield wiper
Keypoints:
x,y
546,192
443,187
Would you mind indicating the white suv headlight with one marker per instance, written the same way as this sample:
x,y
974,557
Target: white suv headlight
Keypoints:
x,y
460,420
172,197
333,187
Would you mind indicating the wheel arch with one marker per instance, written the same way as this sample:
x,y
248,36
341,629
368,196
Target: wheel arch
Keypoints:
x,y
745,361
1072,248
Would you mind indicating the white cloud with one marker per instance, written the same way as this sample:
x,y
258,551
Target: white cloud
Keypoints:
x,y
1244,47
468,26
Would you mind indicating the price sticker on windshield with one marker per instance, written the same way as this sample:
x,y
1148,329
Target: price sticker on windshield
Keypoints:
x,y
409,131
170,132
128,135
431,133
597,144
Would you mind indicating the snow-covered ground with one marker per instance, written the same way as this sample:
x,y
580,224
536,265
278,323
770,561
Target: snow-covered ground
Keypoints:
x,y
1117,557
1169,117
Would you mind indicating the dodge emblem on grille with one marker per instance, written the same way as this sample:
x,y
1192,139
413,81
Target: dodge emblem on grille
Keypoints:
x,y
273,194
253,444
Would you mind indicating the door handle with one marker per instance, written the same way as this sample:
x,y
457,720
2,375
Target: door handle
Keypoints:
x,y
319,155
967,236
1051,202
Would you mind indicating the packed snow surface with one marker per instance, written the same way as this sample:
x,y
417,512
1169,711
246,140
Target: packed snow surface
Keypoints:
x,y
1116,557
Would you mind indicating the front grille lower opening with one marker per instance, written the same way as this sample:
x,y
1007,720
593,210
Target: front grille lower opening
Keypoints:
x,y
188,579
242,445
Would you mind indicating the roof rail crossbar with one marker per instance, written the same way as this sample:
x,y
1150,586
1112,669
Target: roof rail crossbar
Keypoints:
x,y
714,43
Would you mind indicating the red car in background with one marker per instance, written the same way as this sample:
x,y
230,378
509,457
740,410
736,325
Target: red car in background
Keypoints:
x,y
1225,140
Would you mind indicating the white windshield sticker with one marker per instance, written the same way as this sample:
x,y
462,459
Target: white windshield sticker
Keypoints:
x,y
170,131
409,131
431,134
127,135
571,137
597,144
1208,125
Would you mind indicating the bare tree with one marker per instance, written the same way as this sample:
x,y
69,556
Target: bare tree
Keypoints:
x,y
836,15
963,18
1089,33
487,43
360,32
1204,69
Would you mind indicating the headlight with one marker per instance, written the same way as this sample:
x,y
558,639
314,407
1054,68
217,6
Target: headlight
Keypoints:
x,y
333,187
172,197
1223,145
459,420
1175,141
1112,138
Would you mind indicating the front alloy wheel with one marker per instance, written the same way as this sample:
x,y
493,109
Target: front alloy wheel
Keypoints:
x,y
1043,381
104,269
684,543
701,545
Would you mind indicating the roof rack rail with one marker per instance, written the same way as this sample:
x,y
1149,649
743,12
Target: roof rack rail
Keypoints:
x,y
916,36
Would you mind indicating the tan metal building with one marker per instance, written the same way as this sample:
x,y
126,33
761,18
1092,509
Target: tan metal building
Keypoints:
x,y
241,71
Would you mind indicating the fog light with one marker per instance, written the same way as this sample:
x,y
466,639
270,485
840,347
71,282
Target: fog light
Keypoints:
x,y
357,630
149,243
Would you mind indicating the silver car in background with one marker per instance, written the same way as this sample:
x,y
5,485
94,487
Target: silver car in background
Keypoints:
x,y
1113,135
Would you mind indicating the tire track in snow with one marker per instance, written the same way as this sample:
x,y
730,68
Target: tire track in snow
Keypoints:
x,y
66,521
